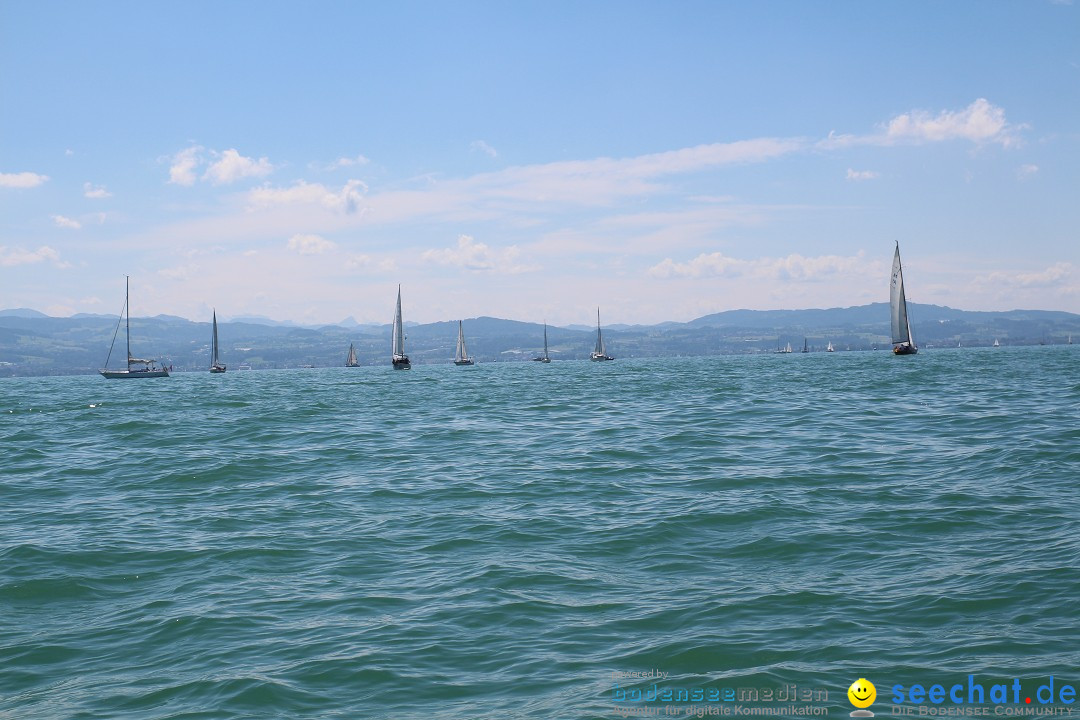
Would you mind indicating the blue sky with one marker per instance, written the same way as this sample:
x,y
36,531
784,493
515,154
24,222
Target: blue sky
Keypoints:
x,y
536,160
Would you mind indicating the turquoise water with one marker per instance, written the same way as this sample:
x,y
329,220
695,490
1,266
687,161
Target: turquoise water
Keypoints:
x,y
496,541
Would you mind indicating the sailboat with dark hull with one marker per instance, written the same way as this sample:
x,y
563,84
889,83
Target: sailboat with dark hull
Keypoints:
x,y
136,367
215,364
399,359
903,342
599,354
545,358
351,360
461,356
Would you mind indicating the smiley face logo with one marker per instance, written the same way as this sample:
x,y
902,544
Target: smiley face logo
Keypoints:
x,y
862,693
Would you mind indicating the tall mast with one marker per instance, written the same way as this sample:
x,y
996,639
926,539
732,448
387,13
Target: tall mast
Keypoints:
x,y
127,314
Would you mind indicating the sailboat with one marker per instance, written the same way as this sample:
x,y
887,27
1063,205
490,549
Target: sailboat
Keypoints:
x,y
399,360
544,358
903,342
805,347
830,348
996,343
143,368
351,360
598,353
461,357
215,364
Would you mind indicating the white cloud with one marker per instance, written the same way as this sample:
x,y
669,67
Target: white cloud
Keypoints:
x,y
22,180
481,146
95,192
310,244
66,222
1027,171
344,162
792,267
233,166
861,175
478,257
980,122
10,257
347,200
182,170
1056,275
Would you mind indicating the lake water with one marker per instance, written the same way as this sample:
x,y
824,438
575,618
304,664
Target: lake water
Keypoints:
x,y
513,540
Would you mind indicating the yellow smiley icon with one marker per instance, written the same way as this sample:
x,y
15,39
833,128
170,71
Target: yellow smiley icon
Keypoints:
x,y
862,693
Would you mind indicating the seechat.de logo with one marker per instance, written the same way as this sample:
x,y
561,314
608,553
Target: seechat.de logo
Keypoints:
x,y
862,695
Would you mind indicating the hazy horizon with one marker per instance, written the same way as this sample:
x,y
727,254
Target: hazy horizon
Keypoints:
x,y
661,162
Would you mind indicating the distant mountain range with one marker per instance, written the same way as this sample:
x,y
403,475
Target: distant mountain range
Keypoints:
x,y
32,343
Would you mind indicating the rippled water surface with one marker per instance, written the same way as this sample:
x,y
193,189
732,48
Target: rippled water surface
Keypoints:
x,y
496,541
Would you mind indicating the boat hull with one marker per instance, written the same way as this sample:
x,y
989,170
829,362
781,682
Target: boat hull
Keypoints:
x,y
401,363
216,369
542,359
600,358
905,349
133,374
464,362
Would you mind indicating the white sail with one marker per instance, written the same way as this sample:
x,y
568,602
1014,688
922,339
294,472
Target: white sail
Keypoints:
x,y
214,343
350,361
399,332
546,349
901,331
599,352
462,354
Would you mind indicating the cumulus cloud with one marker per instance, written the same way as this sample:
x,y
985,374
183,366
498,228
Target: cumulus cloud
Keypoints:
x,y
66,222
478,257
981,122
95,192
222,168
481,146
1056,275
232,166
861,175
10,257
184,163
349,199
792,267
22,180
310,244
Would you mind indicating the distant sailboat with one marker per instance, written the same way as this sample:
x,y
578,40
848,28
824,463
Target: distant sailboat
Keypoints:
x,y
351,360
903,342
830,347
399,360
805,347
544,358
215,364
599,354
787,349
461,357
148,368
1070,340
996,343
